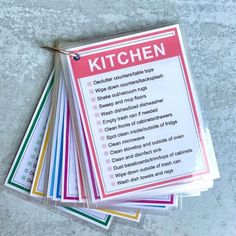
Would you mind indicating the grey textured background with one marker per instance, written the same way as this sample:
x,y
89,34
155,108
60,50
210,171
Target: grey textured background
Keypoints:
x,y
24,68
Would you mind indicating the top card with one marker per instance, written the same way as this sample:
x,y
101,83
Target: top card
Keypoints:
x,y
139,111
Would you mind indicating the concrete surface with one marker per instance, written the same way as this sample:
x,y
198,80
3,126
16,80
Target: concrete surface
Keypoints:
x,y
211,31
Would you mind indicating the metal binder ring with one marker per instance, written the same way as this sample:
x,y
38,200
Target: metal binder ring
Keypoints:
x,y
76,56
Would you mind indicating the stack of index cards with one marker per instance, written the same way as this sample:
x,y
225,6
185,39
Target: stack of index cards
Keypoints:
x,y
118,131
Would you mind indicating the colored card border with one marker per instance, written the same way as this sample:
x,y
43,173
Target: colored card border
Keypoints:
x,y
82,213
182,55
29,133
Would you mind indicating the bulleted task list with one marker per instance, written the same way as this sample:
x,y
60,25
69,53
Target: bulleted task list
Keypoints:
x,y
117,131
142,124
140,115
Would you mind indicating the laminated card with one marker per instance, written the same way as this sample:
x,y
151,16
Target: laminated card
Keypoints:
x,y
139,112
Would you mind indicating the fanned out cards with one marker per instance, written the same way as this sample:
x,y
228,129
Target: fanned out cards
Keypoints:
x,y
118,131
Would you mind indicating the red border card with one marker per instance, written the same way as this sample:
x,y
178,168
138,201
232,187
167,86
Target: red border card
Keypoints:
x,y
81,69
